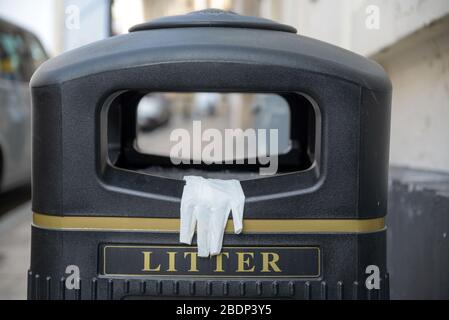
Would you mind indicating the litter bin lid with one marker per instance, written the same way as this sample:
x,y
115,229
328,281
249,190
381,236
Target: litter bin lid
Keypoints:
x,y
213,18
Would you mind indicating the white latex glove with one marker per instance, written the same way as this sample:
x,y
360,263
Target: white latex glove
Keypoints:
x,y
205,206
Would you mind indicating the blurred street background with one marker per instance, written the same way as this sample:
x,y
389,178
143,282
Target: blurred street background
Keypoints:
x,y
409,38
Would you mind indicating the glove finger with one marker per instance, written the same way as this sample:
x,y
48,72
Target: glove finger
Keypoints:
x,y
203,221
217,230
188,224
237,218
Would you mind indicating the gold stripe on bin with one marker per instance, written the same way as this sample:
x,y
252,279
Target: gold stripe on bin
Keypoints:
x,y
172,225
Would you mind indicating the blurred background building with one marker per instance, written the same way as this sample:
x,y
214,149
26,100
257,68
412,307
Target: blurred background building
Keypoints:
x,y
409,38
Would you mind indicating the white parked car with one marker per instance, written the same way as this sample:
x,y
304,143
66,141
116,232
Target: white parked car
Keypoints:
x,y
20,55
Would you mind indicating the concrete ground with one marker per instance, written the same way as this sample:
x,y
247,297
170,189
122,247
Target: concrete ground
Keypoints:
x,y
15,240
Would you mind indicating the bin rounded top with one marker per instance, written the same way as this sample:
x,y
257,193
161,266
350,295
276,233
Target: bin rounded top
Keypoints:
x,y
210,36
213,18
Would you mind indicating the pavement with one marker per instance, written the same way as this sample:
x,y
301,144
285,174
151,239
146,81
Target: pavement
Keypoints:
x,y
15,242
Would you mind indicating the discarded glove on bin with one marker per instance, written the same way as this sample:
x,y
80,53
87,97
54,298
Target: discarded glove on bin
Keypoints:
x,y
206,205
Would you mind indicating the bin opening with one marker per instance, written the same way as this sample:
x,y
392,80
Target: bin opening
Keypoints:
x,y
211,134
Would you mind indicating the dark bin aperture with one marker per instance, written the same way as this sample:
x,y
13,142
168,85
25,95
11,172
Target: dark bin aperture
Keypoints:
x,y
113,212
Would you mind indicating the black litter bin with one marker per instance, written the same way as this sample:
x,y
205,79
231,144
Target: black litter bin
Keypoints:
x,y
110,214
